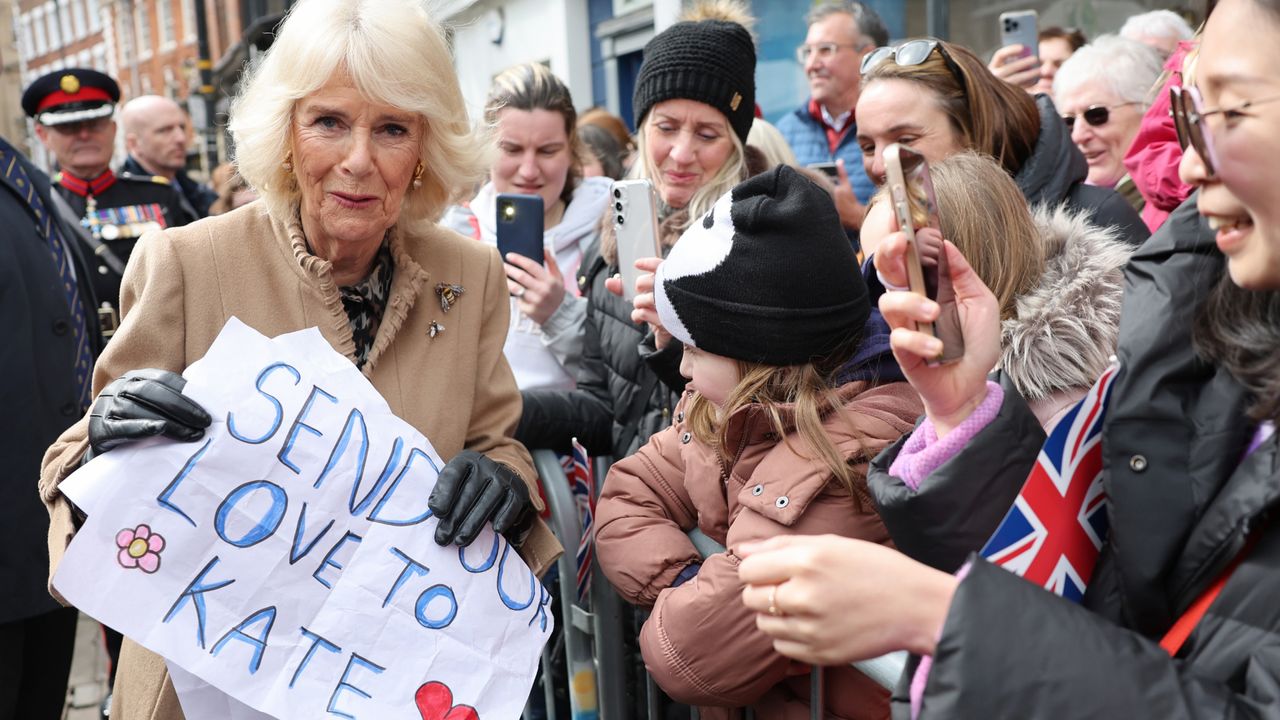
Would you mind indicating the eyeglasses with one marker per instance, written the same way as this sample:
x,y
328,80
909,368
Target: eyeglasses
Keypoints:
x,y
1189,116
822,50
1095,115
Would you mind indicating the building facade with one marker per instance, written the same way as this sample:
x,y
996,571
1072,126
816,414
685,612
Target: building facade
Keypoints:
x,y
13,124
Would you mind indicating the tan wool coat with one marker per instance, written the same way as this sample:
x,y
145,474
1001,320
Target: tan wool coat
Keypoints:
x,y
183,284
701,643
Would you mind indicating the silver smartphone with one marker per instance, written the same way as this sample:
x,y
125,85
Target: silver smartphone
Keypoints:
x,y
1021,27
915,207
635,223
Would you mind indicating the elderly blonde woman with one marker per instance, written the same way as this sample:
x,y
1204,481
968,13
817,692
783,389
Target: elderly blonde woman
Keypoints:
x,y
353,131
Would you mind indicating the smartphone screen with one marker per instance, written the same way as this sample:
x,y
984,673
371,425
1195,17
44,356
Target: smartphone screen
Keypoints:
x,y
916,209
519,225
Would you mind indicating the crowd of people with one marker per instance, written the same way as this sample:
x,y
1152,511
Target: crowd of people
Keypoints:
x,y
1105,209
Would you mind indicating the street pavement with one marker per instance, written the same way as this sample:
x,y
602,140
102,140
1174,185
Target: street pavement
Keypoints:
x,y
88,682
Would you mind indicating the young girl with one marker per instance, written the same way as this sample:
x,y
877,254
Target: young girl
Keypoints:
x,y
765,294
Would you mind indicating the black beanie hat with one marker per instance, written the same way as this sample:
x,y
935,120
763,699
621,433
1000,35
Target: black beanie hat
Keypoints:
x,y
711,61
767,275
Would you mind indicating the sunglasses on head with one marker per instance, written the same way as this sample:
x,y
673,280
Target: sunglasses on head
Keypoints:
x,y
1095,115
912,52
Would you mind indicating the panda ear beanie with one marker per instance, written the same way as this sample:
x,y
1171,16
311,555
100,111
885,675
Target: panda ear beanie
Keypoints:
x,y
768,275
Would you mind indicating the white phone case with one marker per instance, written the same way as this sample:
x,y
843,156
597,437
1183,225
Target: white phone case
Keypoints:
x,y
635,223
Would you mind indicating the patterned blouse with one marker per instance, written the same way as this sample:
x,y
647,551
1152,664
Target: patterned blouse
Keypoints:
x,y
366,300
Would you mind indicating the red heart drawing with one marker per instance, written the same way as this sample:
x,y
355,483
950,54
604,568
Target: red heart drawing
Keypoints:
x,y
435,702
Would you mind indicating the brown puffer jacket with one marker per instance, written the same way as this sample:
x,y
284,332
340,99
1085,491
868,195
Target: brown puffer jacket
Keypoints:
x,y
701,643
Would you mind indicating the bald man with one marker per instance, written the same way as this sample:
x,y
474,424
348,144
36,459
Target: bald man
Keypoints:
x,y
155,135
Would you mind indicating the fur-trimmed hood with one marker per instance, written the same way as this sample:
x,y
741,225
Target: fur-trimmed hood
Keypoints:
x,y
1064,332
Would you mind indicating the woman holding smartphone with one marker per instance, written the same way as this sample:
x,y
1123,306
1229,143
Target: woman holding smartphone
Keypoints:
x,y
534,122
694,102
1178,620
939,99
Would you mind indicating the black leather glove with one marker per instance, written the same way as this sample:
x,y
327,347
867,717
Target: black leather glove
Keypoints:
x,y
143,404
472,490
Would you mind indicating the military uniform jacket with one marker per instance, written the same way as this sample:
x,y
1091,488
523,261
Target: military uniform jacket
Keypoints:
x,y
114,211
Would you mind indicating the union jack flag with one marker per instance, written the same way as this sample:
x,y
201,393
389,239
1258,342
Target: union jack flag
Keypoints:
x,y
1053,533
582,481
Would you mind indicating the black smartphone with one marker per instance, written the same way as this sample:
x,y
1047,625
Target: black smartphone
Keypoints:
x,y
520,225
915,206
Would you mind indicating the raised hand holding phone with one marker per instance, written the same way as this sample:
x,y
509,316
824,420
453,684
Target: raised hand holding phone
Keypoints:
x,y
1014,65
852,212
951,391
645,309
1021,66
538,289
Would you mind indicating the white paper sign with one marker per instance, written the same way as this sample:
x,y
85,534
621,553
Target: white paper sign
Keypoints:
x,y
287,558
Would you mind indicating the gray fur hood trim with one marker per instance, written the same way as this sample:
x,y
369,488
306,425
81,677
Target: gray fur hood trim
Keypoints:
x,y
1065,329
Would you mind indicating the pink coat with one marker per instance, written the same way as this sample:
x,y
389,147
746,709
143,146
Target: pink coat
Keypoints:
x,y
1153,158
701,643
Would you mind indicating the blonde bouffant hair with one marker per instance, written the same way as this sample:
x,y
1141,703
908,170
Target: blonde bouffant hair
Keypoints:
x,y
395,54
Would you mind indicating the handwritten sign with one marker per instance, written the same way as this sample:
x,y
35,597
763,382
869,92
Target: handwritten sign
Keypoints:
x,y
287,558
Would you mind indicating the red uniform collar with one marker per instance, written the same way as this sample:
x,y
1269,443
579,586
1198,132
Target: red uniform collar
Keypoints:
x,y
85,188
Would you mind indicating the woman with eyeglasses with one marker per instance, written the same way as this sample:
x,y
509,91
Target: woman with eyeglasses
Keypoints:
x,y
940,99
1102,92
1179,619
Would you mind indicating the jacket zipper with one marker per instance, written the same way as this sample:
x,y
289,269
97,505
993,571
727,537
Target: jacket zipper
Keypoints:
x,y
742,444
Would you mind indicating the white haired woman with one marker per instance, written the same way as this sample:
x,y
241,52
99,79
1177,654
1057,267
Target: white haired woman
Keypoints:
x,y
1102,92
353,131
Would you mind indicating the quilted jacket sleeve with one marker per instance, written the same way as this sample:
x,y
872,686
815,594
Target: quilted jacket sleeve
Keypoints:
x,y
958,506
641,519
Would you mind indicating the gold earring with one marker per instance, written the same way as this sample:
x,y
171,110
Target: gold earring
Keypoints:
x,y
417,176
288,162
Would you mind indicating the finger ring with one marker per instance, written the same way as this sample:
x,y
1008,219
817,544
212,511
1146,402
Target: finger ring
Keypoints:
x,y
520,293
773,602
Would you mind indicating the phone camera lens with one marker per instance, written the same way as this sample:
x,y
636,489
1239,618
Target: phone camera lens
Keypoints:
x,y
617,193
617,206
621,219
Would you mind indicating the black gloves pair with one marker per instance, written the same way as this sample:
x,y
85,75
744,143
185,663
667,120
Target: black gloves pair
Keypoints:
x,y
471,489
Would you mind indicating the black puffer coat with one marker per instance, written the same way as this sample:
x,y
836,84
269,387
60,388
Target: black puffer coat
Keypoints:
x,y
1182,505
1056,171
605,412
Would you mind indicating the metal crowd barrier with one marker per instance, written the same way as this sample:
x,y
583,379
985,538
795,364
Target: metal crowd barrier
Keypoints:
x,y
576,623
594,643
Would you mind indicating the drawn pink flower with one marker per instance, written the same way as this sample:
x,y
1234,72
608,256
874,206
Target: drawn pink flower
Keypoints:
x,y
139,548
